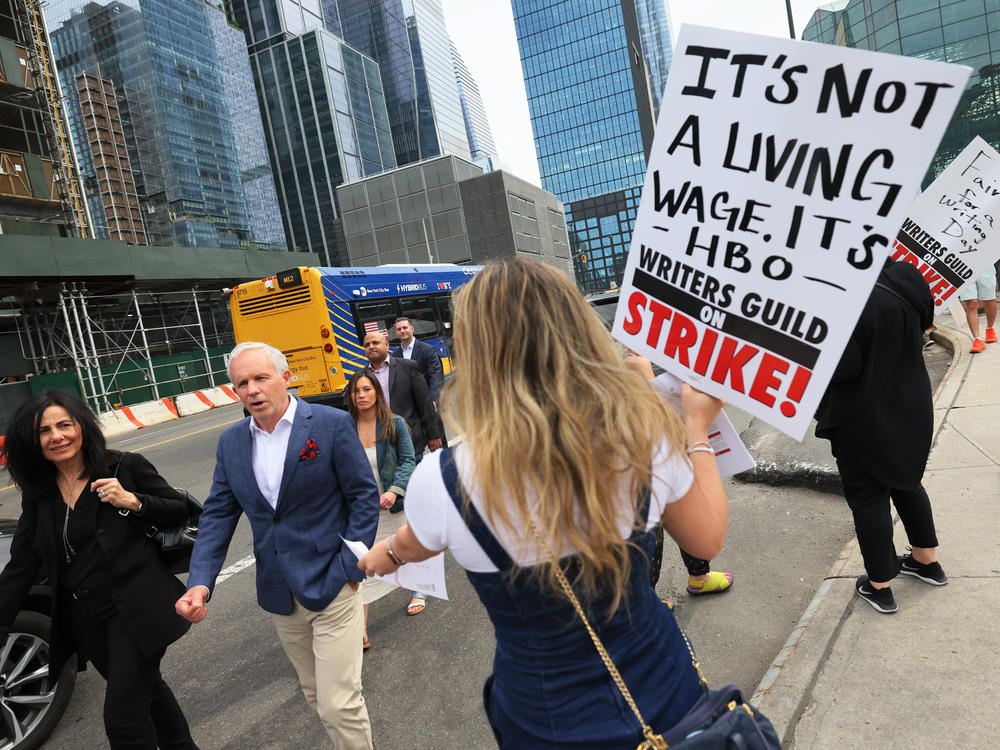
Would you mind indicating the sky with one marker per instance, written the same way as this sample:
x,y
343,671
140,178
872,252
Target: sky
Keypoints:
x,y
483,32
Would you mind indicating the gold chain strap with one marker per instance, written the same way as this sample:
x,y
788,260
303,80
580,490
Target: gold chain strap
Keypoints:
x,y
653,741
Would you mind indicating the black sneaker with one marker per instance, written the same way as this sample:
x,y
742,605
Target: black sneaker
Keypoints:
x,y
930,573
880,599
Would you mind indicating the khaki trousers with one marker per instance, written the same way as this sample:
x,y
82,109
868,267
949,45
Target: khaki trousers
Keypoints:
x,y
325,649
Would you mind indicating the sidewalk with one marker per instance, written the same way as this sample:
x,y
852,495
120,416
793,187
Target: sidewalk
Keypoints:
x,y
849,677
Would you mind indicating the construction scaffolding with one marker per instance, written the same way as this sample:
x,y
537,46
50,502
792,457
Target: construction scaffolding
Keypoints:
x,y
31,22
128,347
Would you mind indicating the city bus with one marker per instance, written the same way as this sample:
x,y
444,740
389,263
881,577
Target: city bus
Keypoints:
x,y
318,317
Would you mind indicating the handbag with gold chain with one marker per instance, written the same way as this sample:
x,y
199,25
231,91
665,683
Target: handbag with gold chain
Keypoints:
x,y
720,718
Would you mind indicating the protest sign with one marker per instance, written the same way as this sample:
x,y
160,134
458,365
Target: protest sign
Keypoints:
x,y
950,233
779,175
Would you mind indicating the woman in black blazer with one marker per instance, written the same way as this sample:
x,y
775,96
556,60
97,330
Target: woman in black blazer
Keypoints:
x,y
85,511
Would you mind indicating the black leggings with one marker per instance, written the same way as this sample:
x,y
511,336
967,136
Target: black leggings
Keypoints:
x,y
140,711
695,565
868,499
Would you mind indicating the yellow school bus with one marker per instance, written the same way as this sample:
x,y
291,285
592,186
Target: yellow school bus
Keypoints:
x,y
318,317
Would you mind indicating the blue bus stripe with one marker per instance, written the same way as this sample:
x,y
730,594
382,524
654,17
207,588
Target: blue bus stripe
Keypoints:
x,y
339,330
348,322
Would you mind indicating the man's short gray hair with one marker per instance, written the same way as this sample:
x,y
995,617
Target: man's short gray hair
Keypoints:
x,y
277,358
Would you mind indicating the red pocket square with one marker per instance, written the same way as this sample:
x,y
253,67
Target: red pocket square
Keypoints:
x,y
310,451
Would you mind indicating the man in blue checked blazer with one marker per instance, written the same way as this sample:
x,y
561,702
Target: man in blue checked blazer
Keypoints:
x,y
300,474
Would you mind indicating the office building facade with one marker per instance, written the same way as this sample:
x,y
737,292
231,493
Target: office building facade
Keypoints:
x,y
163,61
398,105
963,31
589,68
409,41
113,183
447,210
251,148
477,125
326,123
40,192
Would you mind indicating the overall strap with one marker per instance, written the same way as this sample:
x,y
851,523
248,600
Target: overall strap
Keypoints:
x,y
473,521
642,506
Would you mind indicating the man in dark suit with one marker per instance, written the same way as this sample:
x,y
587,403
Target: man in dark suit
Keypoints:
x,y
423,354
300,474
407,393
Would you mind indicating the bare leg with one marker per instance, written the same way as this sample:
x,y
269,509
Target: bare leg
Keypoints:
x,y
924,555
972,316
991,312
365,631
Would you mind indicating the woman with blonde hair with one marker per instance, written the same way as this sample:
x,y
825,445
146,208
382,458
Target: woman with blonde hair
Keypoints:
x,y
565,457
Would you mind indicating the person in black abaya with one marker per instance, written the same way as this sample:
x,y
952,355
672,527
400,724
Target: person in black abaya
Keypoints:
x,y
877,414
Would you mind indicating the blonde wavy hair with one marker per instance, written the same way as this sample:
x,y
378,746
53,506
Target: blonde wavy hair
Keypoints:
x,y
545,401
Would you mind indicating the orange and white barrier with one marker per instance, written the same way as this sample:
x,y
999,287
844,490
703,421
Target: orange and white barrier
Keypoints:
x,y
203,400
137,416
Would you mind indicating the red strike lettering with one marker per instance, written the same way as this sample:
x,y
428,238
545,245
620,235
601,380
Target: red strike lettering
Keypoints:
x,y
633,323
705,352
940,287
683,334
732,361
765,379
660,313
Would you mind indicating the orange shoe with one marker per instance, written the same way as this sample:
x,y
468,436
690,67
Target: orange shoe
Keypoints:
x,y
977,346
991,335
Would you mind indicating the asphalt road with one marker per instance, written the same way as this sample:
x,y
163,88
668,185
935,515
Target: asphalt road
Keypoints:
x,y
423,675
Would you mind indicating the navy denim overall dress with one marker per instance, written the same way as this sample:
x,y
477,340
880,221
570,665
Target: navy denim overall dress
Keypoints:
x,y
549,687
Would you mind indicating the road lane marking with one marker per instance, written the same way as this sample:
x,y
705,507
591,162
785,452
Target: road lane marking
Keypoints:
x,y
188,434
235,568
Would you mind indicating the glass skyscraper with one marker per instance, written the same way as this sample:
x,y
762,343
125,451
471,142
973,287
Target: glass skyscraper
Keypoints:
x,y
477,125
251,149
962,31
409,40
325,118
163,61
357,85
593,114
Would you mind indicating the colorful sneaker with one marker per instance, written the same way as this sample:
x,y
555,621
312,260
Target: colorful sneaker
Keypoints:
x,y
931,573
717,583
881,599
991,335
977,346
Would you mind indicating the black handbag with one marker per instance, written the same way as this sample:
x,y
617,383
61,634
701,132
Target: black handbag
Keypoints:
x,y
175,542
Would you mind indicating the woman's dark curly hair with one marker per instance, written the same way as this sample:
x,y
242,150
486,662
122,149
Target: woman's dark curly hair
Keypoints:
x,y
22,447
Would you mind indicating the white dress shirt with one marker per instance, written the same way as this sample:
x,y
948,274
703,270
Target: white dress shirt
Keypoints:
x,y
269,451
408,350
382,375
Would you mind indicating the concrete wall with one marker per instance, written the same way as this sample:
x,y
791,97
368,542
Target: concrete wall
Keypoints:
x,y
446,210
506,215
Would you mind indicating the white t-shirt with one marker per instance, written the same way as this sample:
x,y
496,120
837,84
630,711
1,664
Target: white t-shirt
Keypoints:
x,y
438,525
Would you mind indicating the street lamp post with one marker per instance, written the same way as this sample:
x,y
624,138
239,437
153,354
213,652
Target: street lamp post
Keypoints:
x,y
791,23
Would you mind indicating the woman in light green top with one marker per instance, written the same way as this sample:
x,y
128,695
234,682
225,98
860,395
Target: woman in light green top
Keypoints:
x,y
386,440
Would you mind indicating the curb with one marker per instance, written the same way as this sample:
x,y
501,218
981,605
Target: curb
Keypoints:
x,y
786,688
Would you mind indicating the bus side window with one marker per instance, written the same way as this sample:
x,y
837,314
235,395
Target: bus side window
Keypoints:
x,y
442,304
420,311
377,314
